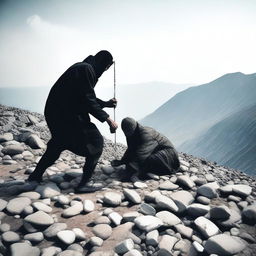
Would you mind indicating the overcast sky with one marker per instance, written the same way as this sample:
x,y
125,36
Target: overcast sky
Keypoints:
x,y
178,41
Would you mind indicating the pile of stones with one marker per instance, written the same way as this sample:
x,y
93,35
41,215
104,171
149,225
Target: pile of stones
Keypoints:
x,y
203,209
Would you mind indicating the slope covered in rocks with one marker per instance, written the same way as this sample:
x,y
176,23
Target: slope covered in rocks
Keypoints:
x,y
203,209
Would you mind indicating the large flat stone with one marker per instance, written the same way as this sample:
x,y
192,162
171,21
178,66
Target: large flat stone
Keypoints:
x,y
132,196
166,244
169,219
17,205
112,198
224,245
40,218
167,203
182,199
206,227
208,190
148,223
24,249
48,190
103,231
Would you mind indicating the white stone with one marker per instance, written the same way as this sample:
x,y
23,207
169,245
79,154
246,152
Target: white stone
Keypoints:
x,y
63,200
42,207
10,237
242,190
48,190
24,249
151,197
182,199
6,137
168,185
75,209
96,241
88,205
209,177
70,253
80,235
166,203
206,227
102,220
185,181
112,198
152,238
193,169
35,142
115,217
40,218
132,196
166,244
226,189
103,231
184,230
139,184
169,219
32,195
34,237
199,248
148,223
51,251
182,162
13,149
131,216
3,204
17,205
66,236
133,252
52,231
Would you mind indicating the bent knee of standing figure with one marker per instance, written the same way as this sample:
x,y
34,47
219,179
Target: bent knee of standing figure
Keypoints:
x,y
94,149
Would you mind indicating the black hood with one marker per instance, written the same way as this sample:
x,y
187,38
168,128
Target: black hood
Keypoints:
x,y
100,62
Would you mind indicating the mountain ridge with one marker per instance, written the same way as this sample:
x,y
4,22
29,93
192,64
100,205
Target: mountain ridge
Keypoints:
x,y
191,102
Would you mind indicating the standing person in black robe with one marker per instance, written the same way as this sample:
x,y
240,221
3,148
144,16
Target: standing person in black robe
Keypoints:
x,y
148,151
70,101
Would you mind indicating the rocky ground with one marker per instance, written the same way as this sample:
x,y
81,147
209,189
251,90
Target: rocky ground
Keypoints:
x,y
203,209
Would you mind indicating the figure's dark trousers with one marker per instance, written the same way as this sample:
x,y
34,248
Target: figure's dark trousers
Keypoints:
x,y
87,142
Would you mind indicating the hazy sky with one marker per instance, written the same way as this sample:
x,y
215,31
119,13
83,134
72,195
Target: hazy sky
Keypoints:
x,y
179,41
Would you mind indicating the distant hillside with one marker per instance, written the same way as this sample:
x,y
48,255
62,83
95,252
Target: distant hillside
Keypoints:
x,y
30,98
193,111
231,142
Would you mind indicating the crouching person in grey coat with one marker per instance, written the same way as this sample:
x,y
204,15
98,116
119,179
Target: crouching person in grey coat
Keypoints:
x,y
148,151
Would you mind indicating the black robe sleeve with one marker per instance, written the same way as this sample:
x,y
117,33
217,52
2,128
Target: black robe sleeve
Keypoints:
x,y
90,103
102,103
